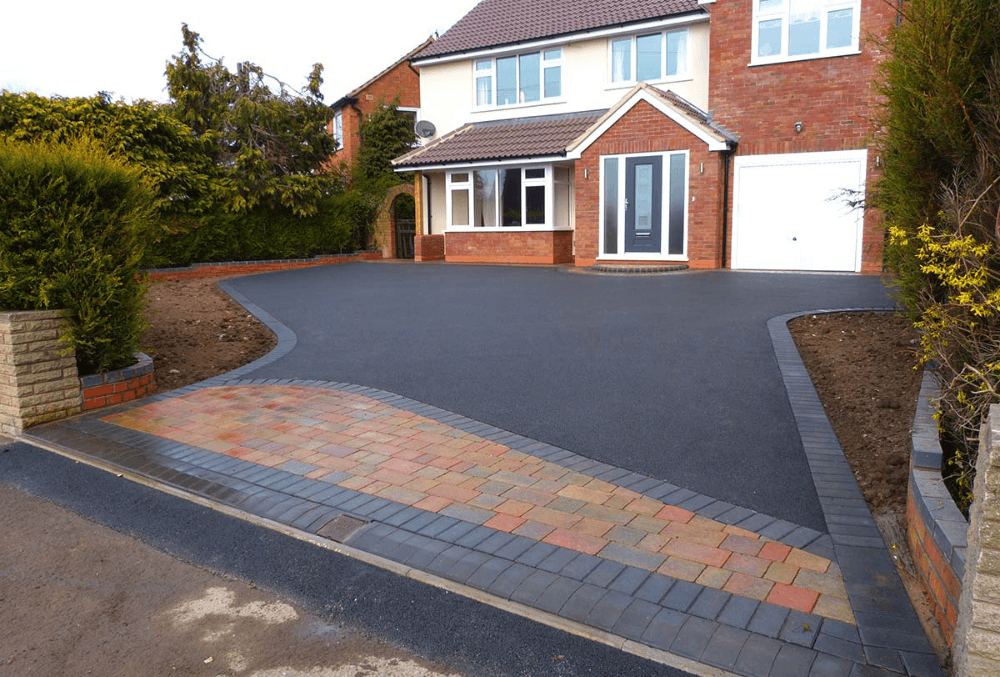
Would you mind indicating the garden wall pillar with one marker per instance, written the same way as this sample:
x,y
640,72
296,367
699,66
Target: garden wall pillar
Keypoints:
x,y
38,376
977,634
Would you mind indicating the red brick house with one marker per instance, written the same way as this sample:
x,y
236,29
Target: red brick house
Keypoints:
x,y
399,82
711,133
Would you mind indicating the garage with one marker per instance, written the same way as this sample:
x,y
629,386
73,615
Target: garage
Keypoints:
x,y
790,212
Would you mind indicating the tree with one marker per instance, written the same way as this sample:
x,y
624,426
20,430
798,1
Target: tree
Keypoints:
x,y
385,135
272,145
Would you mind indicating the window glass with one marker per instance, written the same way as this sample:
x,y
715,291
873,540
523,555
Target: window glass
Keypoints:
x,y
803,27
553,54
839,26
507,81
484,65
648,59
534,198
484,91
460,178
460,207
534,173
485,208
771,5
510,199
553,81
677,53
769,38
621,60
530,89
610,205
338,128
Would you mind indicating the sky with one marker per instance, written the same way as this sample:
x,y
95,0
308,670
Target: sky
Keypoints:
x,y
72,48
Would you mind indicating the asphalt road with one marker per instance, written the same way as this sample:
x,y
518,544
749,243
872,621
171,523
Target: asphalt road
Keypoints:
x,y
418,622
672,376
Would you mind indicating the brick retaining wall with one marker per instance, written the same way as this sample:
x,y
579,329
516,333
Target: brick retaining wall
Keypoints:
x,y
120,385
38,376
203,270
936,529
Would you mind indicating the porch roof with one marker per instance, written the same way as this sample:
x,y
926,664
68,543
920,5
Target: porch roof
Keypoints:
x,y
498,140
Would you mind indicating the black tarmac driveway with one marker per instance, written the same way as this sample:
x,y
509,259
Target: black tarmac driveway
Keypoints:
x,y
671,376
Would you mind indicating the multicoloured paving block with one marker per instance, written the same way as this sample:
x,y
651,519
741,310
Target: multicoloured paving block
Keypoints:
x,y
362,444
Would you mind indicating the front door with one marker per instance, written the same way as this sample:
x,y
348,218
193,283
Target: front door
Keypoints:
x,y
643,203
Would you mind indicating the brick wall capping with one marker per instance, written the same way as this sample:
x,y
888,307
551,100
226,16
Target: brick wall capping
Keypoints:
x,y
937,531
142,366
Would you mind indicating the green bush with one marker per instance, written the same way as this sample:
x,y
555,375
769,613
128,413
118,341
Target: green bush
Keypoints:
x,y
73,222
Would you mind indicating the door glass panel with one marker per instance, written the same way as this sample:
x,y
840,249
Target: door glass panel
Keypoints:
x,y
611,206
510,198
643,198
677,202
485,213
839,25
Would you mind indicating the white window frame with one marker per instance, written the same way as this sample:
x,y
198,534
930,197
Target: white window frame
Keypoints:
x,y
338,128
547,181
634,58
622,255
783,13
486,67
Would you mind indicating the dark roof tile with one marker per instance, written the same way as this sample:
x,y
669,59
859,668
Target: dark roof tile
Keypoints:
x,y
523,138
493,23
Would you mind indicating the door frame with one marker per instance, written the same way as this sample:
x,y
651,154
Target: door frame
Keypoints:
x,y
662,255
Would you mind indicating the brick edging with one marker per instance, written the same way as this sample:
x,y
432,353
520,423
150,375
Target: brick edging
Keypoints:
x,y
118,385
936,530
205,270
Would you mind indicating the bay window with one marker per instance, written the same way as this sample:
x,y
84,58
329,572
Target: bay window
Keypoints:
x,y
518,79
789,30
509,197
650,58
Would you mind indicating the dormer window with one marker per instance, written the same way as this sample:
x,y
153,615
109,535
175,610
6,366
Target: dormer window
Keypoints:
x,y
792,30
519,79
653,57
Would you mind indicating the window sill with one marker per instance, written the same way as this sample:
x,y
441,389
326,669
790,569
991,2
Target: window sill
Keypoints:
x,y
792,59
611,86
517,106
507,229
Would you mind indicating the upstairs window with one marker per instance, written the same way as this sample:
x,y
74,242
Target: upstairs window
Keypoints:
x,y
650,58
519,79
790,30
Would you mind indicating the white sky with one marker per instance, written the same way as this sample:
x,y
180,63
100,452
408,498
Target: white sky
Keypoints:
x,y
74,48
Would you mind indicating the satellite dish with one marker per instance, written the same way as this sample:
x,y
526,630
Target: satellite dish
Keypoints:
x,y
424,129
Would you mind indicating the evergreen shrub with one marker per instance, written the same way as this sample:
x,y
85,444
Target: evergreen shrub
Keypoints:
x,y
73,225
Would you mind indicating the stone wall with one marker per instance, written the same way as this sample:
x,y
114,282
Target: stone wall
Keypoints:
x,y
38,376
977,636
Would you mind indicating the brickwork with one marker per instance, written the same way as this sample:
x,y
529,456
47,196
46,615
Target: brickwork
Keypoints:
x,y
384,234
428,248
38,377
509,246
401,82
120,385
977,635
935,529
645,130
833,97
205,270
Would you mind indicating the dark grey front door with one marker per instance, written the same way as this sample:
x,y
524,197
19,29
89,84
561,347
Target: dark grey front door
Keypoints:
x,y
643,203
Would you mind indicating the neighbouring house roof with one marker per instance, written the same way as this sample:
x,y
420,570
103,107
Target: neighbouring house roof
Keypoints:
x,y
521,138
493,23
352,96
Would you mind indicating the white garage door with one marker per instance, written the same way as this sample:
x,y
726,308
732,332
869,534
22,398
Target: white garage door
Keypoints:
x,y
790,213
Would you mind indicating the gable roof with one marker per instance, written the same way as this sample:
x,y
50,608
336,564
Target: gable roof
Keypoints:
x,y
493,23
675,107
498,140
352,96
